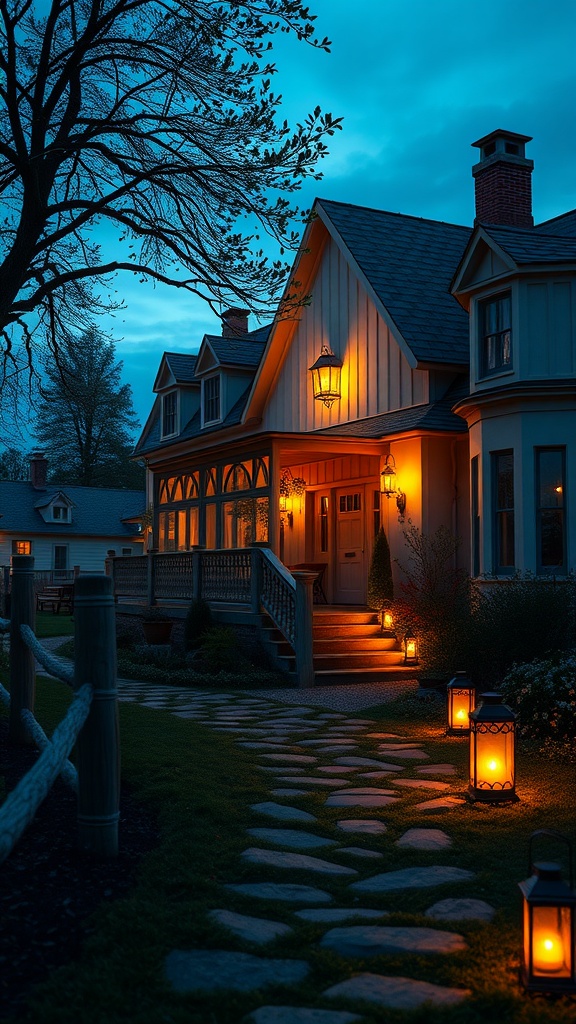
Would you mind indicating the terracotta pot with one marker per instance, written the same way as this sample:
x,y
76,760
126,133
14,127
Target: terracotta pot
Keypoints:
x,y
157,632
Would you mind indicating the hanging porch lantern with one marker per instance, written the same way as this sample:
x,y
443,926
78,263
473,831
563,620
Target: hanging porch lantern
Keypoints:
x,y
326,377
549,925
389,485
492,751
460,702
410,649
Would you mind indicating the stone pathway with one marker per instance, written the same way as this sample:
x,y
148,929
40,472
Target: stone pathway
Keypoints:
x,y
308,753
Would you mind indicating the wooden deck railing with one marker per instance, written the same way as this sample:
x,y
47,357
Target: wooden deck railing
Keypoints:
x,y
250,578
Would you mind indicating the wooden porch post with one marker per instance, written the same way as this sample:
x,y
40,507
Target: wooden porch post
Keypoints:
x,y
303,642
22,664
274,509
255,578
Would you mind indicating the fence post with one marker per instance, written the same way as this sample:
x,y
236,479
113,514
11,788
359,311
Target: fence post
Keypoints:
x,y
303,641
22,664
98,748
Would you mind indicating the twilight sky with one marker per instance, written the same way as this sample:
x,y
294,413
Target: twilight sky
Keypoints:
x,y
417,81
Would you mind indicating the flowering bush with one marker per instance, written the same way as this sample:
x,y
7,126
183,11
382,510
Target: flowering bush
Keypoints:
x,y
543,693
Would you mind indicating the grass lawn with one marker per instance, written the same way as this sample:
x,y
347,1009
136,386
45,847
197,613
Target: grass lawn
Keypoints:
x,y
48,624
201,785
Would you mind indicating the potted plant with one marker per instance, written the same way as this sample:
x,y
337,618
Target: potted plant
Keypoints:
x,y
156,625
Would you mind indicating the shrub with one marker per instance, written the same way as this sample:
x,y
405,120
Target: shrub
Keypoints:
x,y
219,650
516,621
380,583
198,620
543,693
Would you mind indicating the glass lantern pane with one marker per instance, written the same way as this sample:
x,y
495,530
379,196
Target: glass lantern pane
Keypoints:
x,y
459,709
494,758
551,942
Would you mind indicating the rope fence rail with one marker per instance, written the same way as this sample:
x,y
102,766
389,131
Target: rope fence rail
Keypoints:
x,y
91,722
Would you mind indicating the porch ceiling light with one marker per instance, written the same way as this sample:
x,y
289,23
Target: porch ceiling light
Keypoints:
x,y
326,377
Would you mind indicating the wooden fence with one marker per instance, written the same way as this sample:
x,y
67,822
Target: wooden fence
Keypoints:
x,y
92,720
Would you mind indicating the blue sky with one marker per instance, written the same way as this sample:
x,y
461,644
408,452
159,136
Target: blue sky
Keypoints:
x,y
416,81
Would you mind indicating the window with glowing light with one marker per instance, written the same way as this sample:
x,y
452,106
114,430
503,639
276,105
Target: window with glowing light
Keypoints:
x,y
21,547
550,505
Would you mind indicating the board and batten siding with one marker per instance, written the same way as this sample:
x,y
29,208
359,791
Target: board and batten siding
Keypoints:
x,y
547,342
376,376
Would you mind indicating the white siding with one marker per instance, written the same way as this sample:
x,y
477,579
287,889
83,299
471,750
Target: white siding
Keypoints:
x,y
376,377
87,552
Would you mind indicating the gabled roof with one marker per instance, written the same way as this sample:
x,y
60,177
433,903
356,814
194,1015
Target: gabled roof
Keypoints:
x,y
408,263
431,417
193,428
98,511
564,225
47,499
182,366
238,351
525,246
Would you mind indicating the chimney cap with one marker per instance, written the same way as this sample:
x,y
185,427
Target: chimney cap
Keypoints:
x,y
502,133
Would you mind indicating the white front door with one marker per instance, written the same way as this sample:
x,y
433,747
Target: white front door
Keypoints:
x,y
350,532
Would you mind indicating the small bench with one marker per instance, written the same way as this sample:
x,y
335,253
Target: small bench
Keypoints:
x,y
55,598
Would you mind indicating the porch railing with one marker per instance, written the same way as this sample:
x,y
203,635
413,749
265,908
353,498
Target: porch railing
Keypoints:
x,y
250,578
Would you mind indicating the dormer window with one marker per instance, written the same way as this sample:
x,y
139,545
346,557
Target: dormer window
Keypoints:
x,y
169,414
495,318
211,399
60,513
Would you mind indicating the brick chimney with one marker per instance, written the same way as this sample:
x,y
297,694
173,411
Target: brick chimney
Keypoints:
x,y
503,182
38,471
234,322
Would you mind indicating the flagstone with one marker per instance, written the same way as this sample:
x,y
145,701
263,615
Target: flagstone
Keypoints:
x,y
374,775
396,993
288,792
361,800
294,861
335,769
359,851
424,839
215,970
291,758
290,837
366,825
368,762
370,790
412,878
461,910
283,812
331,749
372,940
330,915
421,784
299,1015
405,755
333,740
437,769
440,805
254,929
310,780
384,736
286,892
403,745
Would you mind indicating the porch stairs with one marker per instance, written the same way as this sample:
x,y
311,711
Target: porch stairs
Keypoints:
x,y
349,647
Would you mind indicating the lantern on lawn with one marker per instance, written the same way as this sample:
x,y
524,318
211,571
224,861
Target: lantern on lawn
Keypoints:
x,y
549,925
410,649
460,702
492,751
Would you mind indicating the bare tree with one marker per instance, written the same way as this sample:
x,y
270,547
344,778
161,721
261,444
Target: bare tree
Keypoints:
x,y
157,119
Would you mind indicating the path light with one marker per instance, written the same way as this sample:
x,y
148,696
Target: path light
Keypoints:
x,y
492,751
410,649
326,377
387,620
549,924
460,701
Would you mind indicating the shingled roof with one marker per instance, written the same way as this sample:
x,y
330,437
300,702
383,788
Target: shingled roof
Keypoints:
x,y
433,416
97,511
409,263
564,225
182,365
524,245
245,352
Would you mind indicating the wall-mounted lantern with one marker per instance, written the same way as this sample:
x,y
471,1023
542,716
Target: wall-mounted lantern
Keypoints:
x,y
549,924
492,751
389,485
326,377
460,702
410,649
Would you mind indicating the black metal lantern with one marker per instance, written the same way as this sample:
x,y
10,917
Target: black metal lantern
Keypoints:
x,y
549,924
410,649
460,702
326,377
492,751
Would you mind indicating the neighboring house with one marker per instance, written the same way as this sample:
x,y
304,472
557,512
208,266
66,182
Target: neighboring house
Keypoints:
x,y
65,526
456,352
